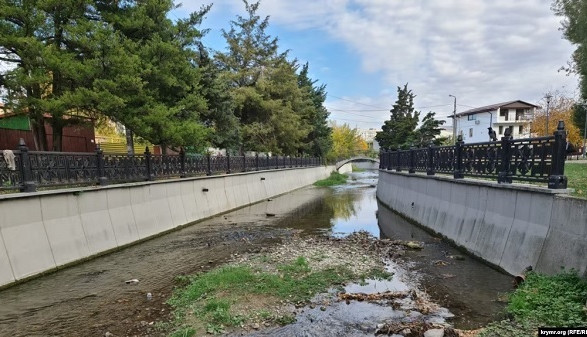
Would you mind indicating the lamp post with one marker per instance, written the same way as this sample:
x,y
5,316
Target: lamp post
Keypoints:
x,y
454,120
548,96
583,106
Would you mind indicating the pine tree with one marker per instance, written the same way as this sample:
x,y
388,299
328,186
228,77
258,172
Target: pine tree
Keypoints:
x,y
399,131
268,101
320,136
429,131
61,51
165,103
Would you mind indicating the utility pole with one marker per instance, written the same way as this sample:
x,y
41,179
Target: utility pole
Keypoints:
x,y
454,121
548,96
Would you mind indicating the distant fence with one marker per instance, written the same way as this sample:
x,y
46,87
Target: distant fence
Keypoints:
x,y
40,169
540,159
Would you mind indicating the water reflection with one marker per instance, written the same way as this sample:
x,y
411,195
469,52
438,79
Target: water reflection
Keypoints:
x,y
457,281
342,210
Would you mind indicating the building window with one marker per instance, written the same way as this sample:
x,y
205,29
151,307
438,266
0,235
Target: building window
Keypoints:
x,y
520,114
471,133
504,113
472,117
521,129
501,130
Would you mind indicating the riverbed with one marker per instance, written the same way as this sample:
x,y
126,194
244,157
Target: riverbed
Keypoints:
x,y
94,297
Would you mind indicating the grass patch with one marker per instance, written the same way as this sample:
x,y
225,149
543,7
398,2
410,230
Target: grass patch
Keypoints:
x,y
334,179
357,169
228,296
553,301
577,176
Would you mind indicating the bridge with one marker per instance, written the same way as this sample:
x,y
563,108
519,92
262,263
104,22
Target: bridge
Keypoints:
x,y
343,162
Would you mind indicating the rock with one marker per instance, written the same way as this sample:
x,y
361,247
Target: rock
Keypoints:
x,y
323,308
108,334
255,326
456,257
413,245
434,333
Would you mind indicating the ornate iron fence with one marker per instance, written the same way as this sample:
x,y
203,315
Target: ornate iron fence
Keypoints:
x,y
540,159
39,169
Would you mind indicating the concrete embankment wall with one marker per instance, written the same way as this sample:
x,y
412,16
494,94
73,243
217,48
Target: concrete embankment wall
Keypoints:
x,y
510,226
45,230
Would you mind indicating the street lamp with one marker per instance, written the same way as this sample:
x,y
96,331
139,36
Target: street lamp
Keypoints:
x,y
548,96
454,120
583,106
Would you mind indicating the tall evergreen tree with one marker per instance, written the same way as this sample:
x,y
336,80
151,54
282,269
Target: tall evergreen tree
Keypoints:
x,y
320,136
429,131
268,101
165,105
61,52
399,131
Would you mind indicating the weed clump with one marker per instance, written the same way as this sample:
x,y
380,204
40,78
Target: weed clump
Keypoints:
x,y
334,179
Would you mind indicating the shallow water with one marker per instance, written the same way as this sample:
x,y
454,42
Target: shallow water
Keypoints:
x,y
92,298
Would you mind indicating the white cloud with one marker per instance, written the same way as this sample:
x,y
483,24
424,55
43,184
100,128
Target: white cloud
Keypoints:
x,y
482,51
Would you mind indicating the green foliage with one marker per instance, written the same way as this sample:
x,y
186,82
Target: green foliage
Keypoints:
x,y
165,102
319,139
429,131
398,131
356,168
574,27
334,179
507,328
295,282
579,115
551,300
279,110
577,176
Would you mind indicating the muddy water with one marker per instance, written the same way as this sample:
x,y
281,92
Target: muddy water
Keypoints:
x,y
92,298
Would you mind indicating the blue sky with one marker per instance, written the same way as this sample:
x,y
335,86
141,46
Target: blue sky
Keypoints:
x,y
482,51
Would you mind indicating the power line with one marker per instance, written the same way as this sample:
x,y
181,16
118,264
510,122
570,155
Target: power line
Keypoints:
x,y
351,113
348,100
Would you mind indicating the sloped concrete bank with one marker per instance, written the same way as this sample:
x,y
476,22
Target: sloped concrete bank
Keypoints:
x,y
43,231
510,226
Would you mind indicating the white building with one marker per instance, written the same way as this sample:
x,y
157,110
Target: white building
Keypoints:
x,y
369,136
473,124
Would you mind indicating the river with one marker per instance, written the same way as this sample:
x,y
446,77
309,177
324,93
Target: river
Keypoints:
x,y
92,298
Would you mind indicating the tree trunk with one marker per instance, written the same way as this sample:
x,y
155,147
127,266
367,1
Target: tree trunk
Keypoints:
x,y
39,133
130,144
57,137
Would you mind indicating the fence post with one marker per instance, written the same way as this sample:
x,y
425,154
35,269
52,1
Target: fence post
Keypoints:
x,y
208,164
430,165
26,171
244,163
458,157
557,179
148,164
398,167
504,176
227,162
276,162
412,168
102,180
256,161
182,163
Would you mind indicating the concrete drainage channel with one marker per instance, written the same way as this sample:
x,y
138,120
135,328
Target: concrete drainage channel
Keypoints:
x,y
91,299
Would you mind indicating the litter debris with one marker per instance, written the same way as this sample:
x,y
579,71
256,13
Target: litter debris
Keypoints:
x,y
133,281
388,295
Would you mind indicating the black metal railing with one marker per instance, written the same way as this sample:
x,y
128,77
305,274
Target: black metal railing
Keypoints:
x,y
540,159
41,169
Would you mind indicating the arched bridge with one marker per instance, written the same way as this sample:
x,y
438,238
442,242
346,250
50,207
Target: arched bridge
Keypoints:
x,y
340,163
